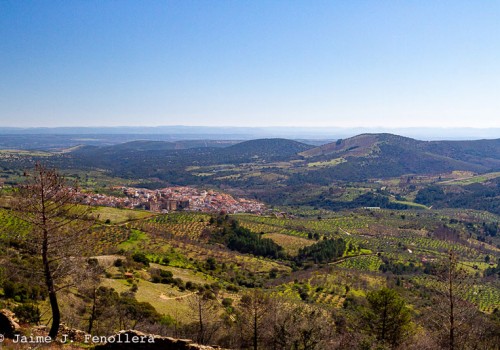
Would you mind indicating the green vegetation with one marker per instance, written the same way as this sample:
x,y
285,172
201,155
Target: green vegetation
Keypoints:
x,y
317,268
118,216
323,251
471,179
388,316
245,241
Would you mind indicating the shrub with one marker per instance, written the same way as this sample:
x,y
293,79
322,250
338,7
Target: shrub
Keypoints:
x,y
232,288
28,313
191,286
167,274
227,302
141,258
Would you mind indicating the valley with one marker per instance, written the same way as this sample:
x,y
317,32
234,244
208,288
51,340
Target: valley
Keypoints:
x,y
213,243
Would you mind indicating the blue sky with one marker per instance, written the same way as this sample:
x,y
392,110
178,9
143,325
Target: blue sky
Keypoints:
x,y
250,63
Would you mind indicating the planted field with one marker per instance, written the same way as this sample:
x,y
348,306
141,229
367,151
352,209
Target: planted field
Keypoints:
x,y
291,244
187,274
471,179
118,216
335,301
248,262
190,225
329,163
302,227
363,263
485,295
12,226
109,238
269,228
137,240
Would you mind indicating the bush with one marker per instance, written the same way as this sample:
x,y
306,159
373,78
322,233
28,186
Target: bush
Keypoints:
x,y
179,283
232,288
28,313
22,291
191,286
141,258
227,302
211,264
166,274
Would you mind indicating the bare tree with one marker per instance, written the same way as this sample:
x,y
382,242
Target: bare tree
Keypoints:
x,y
302,327
204,306
255,307
451,312
59,231
89,288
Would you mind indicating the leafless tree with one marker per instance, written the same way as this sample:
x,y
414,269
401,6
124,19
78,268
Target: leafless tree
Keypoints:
x,y
255,307
59,231
303,327
89,288
205,307
451,313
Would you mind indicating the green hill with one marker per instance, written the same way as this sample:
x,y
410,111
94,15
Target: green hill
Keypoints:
x,y
385,155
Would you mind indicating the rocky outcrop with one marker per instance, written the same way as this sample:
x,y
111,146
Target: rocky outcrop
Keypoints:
x,y
131,339
8,323
72,334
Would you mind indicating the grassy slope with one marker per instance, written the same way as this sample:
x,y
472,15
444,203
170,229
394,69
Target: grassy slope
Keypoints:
x,y
391,232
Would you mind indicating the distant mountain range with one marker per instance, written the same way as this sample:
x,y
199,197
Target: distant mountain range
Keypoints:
x,y
288,172
357,158
279,161
114,135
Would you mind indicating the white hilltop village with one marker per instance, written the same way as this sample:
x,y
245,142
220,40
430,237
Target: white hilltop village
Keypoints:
x,y
172,199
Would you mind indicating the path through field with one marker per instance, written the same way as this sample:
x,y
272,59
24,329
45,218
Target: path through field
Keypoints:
x,y
164,297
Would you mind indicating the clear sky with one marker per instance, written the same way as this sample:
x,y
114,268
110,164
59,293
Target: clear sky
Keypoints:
x,y
250,63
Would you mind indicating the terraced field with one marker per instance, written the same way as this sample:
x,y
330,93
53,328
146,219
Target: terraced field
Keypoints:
x,y
12,226
164,298
119,216
362,263
189,225
291,244
486,296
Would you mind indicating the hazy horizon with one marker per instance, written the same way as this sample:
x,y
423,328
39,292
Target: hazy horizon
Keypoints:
x,y
179,132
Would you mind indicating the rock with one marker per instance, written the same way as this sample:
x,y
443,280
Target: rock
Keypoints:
x,y
132,339
8,323
71,334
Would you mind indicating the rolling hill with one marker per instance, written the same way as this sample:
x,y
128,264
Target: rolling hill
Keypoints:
x,y
386,155
266,149
269,162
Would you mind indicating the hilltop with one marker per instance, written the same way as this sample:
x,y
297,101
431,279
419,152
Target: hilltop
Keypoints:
x,y
386,155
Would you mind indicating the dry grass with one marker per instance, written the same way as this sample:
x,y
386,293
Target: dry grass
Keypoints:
x,y
291,244
119,216
166,299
